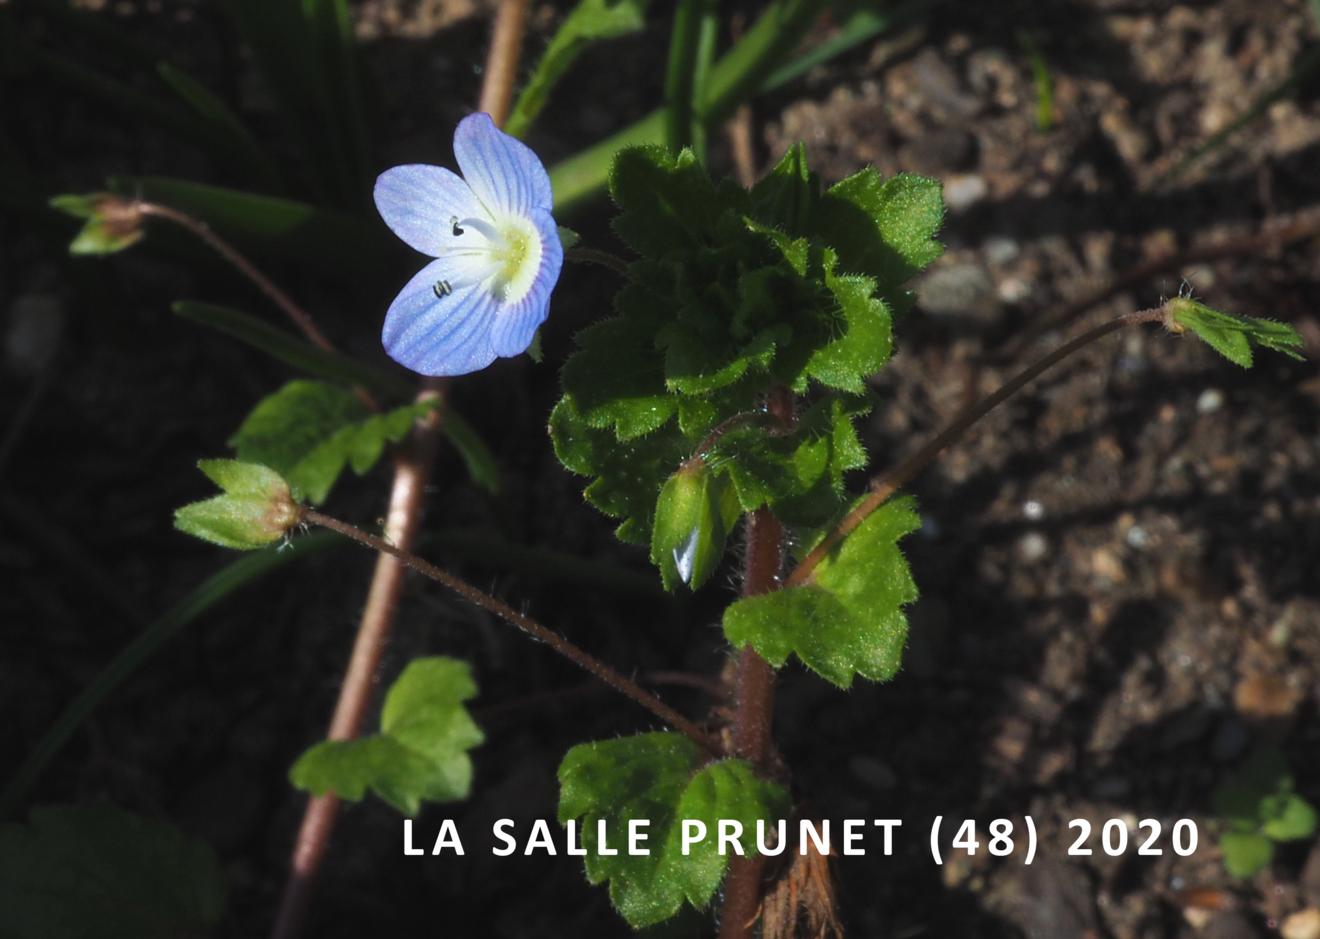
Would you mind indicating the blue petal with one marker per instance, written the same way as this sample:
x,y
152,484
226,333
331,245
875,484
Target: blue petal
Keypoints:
x,y
419,202
503,172
516,323
440,335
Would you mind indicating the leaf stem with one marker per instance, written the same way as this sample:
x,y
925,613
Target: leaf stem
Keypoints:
x,y
196,226
886,484
412,470
574,653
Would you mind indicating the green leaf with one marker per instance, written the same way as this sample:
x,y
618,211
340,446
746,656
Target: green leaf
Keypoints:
x,y
1245,852
1287,817
786,197
1233,336
687,541
590,21
615,378
660,777
882,228
799,474
421,752
849,620
628,473
864,330
98,872
257,507
667,204
309,431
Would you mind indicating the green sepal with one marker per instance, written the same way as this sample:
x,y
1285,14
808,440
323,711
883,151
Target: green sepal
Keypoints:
x,y
687,540
421,752
660,777
1233,336
310,430
256,509
112,224
849,619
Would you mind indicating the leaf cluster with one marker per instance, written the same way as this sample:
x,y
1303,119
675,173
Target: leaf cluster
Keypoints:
x,y
1261,807
736,294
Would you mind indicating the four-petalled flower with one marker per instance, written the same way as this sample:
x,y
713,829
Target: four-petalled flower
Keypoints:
x,y
496,248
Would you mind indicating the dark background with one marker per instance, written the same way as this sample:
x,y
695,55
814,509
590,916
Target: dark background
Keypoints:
x,y
1119,569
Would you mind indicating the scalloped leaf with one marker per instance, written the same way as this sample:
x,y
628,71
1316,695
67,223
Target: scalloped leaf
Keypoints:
x,y
421,752
660,777
311,430
849,620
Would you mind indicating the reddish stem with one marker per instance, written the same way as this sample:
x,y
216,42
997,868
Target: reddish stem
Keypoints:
x,y
754,701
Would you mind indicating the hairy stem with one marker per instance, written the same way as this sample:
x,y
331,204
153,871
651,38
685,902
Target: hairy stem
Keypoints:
x,y
196,226
575,654
754,696
412,470
885,485
596,256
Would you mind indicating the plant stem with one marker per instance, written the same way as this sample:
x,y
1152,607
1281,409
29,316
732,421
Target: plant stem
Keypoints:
x,y
596,256
412,470
575,654
885,485
754,700
300,317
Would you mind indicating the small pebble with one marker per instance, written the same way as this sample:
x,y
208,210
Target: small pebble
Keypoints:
x,y
1210,401
1137,537
1033,510
1032,546
1304,924
1000,251
963,192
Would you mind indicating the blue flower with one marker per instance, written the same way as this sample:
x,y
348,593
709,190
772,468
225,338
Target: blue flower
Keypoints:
x,y
496,248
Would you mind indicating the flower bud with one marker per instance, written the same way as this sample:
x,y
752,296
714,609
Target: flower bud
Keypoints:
x,y
256,509
687,539
113,223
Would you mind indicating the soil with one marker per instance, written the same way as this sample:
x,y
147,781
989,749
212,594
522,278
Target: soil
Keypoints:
x,y
1120,568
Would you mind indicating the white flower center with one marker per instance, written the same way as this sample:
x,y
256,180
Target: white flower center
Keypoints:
x,y
503,255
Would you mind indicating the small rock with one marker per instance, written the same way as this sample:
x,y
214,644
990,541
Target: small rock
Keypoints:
x,y
1137,537
1000,251
1032,547
1210,401
960,290
1304,924
1265,697
1107,565
963,192
1033,510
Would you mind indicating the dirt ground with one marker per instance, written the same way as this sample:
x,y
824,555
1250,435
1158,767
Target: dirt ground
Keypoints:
x,y
1120,569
